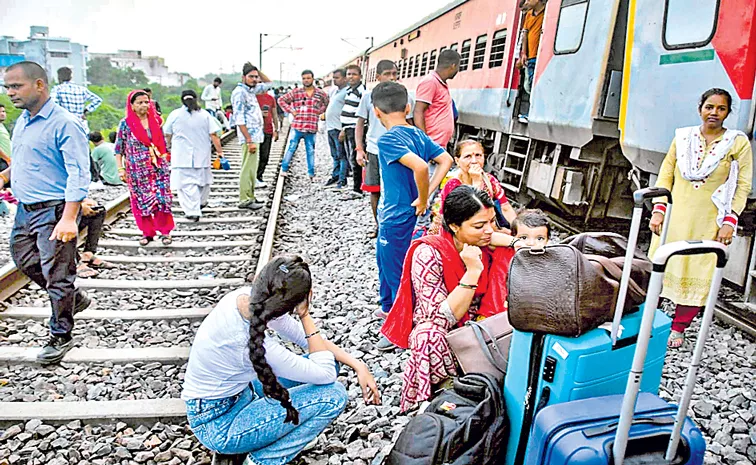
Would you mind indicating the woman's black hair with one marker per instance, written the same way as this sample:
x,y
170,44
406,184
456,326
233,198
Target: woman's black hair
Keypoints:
x,y
463,203
716,91
281,285
189,99
138,93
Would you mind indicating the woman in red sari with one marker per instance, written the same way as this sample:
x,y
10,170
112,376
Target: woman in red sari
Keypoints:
x,y
143,162
447,279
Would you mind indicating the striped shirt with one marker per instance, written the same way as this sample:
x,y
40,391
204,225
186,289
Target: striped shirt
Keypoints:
x,y
351,103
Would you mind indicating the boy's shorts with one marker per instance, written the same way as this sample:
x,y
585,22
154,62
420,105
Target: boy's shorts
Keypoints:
x,y
371,175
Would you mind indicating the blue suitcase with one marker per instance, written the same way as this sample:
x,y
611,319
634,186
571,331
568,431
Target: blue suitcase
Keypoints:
x,y
593,364
582,432
634,428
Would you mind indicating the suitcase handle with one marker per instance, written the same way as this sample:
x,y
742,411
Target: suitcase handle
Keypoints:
x,y
639,197
660,260
601,430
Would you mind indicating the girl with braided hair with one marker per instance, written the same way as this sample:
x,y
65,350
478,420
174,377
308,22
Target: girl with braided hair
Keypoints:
x,y
245,392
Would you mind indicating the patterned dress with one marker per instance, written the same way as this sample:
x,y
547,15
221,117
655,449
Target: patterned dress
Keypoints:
x,y
149,181
431,361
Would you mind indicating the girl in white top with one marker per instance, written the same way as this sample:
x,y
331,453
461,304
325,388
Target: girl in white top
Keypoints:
x,y
235,370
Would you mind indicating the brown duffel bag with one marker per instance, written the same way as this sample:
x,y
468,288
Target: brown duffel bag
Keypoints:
x,y
558,290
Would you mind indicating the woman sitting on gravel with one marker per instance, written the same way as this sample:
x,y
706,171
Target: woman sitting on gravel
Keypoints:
x,y
447,279
469,157
144,165
234,367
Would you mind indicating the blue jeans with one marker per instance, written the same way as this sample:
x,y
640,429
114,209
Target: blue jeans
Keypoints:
x,y
339,156
309,139
530,66
50,264
251,423
390,249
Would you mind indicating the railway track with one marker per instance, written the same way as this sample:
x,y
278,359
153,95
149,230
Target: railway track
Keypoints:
x,y
133,341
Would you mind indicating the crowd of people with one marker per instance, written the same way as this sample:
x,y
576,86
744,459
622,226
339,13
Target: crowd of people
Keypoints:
x,y
444,237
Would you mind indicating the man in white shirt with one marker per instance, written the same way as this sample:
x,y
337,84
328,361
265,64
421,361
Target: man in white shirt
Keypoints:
x,y
211,95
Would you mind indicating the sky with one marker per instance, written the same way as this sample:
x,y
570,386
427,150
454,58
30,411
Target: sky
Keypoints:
x,y
219,36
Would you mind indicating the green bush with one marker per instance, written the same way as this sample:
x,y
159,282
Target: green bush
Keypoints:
x,y
13,112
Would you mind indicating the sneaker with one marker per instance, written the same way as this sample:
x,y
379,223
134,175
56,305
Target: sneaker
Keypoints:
x,y
261,184
523,119
384,344
55,349
251,205
96,186
379,313
81,302
331,181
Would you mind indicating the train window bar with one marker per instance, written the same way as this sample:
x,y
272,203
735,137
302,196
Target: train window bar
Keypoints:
x,y
687,26
498,49
424,65
416,70
432,64
480,51
465,55
571,26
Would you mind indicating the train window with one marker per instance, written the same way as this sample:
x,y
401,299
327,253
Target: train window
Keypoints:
x,y
453,46
497,49
432,64
480,51
411,65
689,27
416,70
571,26
424,65
441,50
465,55
399,67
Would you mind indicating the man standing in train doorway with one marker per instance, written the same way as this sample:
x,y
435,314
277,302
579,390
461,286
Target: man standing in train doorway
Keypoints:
x,y
532,27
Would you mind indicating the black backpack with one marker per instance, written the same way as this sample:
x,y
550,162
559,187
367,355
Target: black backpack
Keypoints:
x,y
464,425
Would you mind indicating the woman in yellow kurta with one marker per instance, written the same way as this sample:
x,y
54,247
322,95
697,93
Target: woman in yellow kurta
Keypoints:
x,y
708,170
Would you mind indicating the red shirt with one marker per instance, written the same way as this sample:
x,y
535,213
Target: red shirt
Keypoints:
x,y
308,108
267,106
439,116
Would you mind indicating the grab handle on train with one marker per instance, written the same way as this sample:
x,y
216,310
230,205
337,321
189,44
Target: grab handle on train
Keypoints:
x,y
660,260
639,198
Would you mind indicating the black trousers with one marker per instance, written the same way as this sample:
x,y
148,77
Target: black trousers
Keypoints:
x,y
350,146
50,264
94,223
264,155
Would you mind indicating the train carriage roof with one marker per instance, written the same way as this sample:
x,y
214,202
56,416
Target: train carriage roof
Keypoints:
x,y
440,12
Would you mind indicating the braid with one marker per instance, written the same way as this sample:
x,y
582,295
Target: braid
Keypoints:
x,y
271,386
281,285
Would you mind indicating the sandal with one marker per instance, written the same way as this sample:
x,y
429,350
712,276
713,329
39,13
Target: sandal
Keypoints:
x,y
102,265
372,234
83,271
166,240
145,240
675,340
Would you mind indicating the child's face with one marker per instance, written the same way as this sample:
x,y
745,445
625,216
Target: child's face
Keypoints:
x,y
533,237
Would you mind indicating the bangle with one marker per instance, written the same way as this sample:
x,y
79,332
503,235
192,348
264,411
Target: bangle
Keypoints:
x,y
121,168
308,336
468,286
5,180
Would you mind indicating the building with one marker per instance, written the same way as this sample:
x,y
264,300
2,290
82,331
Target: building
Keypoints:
x,y
153,66
51,53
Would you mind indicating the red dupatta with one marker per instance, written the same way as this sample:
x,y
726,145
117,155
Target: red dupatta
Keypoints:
x,y
492,284
157,142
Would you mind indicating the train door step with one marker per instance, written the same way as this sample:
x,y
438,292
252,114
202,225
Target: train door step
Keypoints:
x,y
515,162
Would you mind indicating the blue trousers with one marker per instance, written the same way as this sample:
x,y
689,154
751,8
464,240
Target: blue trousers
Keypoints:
x,y
50,264
390,249
296,136
340,162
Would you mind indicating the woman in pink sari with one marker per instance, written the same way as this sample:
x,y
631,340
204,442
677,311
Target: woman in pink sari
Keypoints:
x,y
144,164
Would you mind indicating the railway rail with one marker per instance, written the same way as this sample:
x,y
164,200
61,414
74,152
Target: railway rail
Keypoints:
x,y
160,293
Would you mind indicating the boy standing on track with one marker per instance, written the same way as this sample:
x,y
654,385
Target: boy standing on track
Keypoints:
x,y
355,89
50,174
386,72
249,129
404,153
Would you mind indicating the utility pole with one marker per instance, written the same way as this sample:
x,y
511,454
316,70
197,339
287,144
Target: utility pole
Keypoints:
x,y
259,62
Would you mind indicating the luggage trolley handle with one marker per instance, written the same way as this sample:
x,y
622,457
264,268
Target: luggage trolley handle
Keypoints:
x,y
639,198
661,257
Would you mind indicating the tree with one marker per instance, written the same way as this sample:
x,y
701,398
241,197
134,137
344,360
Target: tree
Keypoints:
x,y
101,72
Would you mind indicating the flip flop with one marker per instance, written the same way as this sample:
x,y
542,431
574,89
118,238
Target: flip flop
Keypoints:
x,y
166,240
86,272
103,265
145,240
675,340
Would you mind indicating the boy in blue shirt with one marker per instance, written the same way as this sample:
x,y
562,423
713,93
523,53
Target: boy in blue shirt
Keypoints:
x,y
403,153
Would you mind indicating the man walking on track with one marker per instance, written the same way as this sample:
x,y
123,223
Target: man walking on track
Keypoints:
x,y
50,175
270,128
305,104
249,129
74,98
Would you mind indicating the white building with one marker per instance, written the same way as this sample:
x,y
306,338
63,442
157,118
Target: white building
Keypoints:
x,y
153,66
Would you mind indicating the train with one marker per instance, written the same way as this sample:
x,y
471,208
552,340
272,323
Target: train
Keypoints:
x,y
613,80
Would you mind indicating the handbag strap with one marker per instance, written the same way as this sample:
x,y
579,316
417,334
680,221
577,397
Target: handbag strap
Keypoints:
x,y
478,330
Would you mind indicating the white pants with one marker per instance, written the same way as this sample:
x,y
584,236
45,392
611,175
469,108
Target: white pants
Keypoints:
x,y
193,188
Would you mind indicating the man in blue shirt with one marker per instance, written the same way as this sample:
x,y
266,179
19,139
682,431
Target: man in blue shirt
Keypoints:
x,y
50,177
403,153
